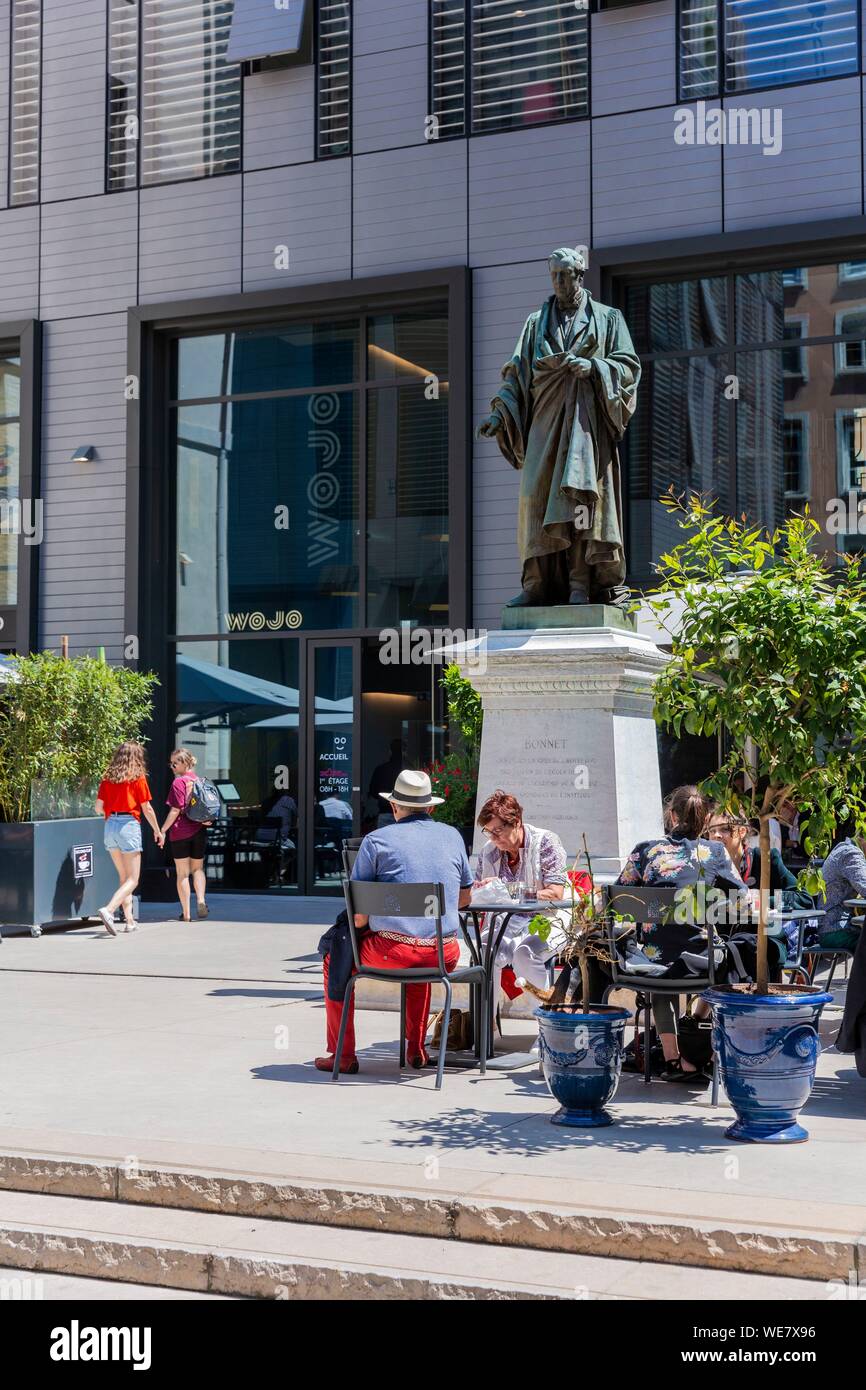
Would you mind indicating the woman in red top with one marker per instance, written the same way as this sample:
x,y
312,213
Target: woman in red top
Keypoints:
x,y
123,795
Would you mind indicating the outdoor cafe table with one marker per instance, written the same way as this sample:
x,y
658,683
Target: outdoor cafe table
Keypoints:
x,y
484,953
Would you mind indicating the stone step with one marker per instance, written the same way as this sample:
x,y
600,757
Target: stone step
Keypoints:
x,y
266,1259
619,1231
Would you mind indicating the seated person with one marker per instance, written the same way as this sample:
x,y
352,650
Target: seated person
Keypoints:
x,y
734,832
519,852
682,856
845,876
413,849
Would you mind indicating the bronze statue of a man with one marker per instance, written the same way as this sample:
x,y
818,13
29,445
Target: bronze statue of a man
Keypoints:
x,y
566,398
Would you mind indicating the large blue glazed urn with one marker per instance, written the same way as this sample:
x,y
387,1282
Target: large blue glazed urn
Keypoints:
x,y
581,1055
768,1049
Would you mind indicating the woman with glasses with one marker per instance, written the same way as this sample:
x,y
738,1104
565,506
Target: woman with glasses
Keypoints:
x,y
187,839
734,833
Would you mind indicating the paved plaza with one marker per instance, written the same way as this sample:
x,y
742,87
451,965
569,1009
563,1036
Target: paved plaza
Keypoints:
x,y
191,1047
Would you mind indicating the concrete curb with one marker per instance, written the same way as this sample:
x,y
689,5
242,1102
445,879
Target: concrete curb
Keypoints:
x,y
549,1227
235,1273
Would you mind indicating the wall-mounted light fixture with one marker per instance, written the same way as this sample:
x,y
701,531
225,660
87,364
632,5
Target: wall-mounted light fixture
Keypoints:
x,y
84,453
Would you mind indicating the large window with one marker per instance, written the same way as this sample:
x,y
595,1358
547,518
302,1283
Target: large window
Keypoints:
x,y
495,65
25,101
173,101
10,489
754,392
311,469
729,46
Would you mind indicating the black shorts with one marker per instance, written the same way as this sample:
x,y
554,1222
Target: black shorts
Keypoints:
x,y
193,848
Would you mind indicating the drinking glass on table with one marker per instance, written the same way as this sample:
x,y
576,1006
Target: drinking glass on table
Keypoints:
x,y
517,890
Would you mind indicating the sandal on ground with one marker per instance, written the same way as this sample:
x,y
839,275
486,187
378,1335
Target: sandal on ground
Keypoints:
x,y
181,918
675,1072
202,911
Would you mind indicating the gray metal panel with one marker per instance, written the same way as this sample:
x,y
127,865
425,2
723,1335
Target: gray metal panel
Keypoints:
x,y
503,297
389,99
190,239
260,28
410,208
528,193
634,55
81,593
305,209
380,25
818,171
89,255
645,186
73,98
279,117
19,263
4,100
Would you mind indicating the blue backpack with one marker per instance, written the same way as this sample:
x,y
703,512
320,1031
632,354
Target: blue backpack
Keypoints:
x,y
203,801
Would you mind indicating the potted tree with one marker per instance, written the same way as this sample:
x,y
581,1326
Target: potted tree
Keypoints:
x,y
581,1042
60,721
768,645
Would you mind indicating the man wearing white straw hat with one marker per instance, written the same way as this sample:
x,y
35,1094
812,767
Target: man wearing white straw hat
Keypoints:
x,y
414,849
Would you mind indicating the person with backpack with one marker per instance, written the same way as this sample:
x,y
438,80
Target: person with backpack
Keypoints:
x,y
122,797
189,800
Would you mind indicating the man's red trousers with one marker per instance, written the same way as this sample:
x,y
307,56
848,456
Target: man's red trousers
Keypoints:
x,y
382,953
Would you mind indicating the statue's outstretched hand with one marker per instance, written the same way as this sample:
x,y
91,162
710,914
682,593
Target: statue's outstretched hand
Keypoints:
x,y
491,426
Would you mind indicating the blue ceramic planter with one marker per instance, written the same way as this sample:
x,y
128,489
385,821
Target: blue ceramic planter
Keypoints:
x,y
768,1049
582,1059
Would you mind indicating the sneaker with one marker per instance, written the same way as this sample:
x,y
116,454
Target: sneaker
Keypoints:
x,y
130,926
202,911
107,920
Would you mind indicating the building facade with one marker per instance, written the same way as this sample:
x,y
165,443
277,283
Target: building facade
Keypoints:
x,y
261,262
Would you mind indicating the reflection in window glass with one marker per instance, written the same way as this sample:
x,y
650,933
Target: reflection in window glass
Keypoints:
x,y
10,392
766,43
677,315
296,357
408,345
238,711
678,439
266,514
407,507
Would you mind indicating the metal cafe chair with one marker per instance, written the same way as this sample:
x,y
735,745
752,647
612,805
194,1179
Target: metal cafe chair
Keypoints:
x,y
647,905
406,900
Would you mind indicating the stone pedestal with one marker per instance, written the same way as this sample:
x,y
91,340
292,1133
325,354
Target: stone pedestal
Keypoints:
x,y
568,726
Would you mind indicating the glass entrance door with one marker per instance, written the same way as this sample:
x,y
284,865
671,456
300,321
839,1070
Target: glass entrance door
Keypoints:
x,y
333,809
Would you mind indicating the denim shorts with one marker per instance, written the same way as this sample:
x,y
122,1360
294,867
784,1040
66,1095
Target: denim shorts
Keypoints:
x,y
124,833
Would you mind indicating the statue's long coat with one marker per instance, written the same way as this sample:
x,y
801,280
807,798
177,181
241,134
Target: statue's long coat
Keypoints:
x,y
562,431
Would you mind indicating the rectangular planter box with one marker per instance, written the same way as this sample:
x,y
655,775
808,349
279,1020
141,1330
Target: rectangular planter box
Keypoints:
x,y
39,885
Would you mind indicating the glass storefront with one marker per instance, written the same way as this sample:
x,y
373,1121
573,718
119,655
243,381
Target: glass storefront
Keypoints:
x,y
754,392
10,499
311,511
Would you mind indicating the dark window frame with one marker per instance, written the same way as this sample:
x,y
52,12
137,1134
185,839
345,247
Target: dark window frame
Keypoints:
x,y
24,338
150,570
467,133
157,183
721,92
786,247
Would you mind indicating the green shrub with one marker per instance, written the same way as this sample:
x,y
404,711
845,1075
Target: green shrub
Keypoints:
x,y
60,722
